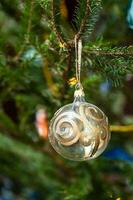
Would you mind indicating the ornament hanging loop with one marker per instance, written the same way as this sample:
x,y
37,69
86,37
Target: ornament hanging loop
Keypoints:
x,y
78,55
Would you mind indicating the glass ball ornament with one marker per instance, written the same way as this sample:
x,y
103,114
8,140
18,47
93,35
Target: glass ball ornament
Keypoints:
x,y
79,131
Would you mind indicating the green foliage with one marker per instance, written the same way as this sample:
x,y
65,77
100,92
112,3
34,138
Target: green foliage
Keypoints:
x,y
34,71
46,5
112,61
95,8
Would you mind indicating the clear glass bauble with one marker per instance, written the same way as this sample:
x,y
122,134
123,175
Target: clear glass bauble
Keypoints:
x,y
79,131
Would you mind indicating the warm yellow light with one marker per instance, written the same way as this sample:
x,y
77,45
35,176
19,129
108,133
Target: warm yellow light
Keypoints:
x,y
119,198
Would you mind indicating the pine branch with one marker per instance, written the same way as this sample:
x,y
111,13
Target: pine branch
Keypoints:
x,y
35,163
95,8
56,25
29,25
28,31
115,69
86,16
114,63
108,51
82,20
45,4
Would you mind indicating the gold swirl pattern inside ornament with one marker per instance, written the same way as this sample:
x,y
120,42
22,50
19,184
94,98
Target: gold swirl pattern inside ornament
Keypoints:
x,y
66,126
80,124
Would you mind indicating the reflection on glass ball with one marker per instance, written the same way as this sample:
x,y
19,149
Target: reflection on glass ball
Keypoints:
x,y
79,131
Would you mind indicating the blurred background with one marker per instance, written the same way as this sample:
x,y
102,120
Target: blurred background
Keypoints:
x,y
34,84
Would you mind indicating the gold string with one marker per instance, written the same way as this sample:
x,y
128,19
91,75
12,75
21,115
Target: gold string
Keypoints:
x,y
78,55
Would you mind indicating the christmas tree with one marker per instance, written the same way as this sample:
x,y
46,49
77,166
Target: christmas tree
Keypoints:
x,y
37,77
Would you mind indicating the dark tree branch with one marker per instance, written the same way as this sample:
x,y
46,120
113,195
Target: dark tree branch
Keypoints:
x,y
70,43
84,21
58,34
